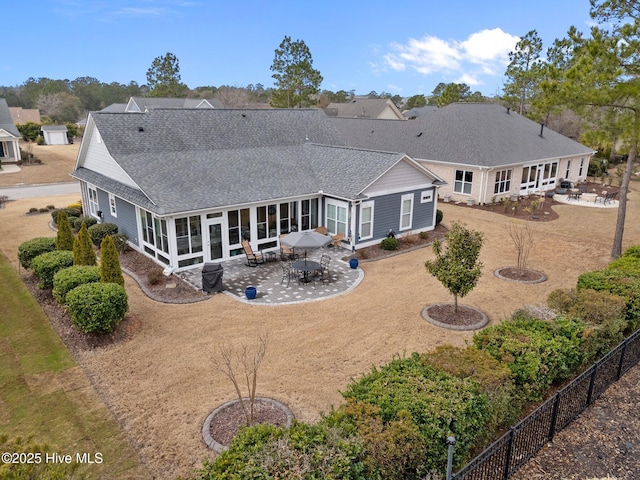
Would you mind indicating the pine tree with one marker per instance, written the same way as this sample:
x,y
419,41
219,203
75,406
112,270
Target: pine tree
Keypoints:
x,y
110,270
64,238
83,253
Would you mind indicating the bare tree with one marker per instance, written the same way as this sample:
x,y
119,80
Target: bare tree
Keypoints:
x,y
523,239
233,97
240,365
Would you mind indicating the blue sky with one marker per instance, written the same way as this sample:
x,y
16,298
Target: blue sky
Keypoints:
x,y
402,47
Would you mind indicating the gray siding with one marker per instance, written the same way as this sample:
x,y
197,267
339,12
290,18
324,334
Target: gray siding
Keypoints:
x,y
127,221
386,214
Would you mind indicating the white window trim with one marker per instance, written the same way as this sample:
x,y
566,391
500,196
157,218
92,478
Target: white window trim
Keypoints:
x,y
94,206
463,182
338,204
364,205
408,196
113,208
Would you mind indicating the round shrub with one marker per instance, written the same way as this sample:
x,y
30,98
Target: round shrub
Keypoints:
x,y
45,266
30,249
97,307
69,278
439,216
101,230
389,244
88,221
120,240
71,212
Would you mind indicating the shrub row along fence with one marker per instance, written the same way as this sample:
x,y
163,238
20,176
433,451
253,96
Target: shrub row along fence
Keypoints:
x,y
516,447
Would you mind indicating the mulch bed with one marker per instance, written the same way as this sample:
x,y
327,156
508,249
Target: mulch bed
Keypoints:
x,y
228,421
444,315
525,275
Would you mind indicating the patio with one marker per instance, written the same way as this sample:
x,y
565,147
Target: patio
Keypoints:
x,y
267,278
584,201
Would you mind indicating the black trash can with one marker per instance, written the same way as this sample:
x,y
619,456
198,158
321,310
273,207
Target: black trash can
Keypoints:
x,y
212,277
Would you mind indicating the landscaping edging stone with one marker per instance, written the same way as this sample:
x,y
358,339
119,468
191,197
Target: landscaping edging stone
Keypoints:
x,y
543,277
206,426
484,321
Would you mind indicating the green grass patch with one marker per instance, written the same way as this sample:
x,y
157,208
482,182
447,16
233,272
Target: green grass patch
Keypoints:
x,y
45,395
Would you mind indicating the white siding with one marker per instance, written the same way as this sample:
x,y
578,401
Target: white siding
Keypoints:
x,y
401,177
98,159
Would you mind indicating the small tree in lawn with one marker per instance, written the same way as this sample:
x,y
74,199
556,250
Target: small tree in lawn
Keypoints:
x,y
457,267
83,253
64,238
522,237
242,364
110,270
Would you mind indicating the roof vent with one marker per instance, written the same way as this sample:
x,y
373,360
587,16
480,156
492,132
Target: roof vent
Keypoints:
x,y
508,110
541,129
419,135
140,129
244,115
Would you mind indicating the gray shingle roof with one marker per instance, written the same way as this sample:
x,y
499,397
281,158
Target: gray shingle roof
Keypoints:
x,y
53,128
6,122
197,159
466,133
360,108
149,103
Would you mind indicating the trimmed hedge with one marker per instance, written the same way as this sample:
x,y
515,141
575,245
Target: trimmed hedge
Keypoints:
x,y
70,211
101,230
436,403
389,244
301,451
30,249
97,307
88,221
45,266
538,352
67,279
439,216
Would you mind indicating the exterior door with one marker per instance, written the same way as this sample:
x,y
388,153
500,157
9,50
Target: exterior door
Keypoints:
x,y
215,242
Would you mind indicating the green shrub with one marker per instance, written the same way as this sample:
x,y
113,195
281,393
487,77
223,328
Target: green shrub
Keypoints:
x,y
110,270
495,380
97,307
30,249
120,240
83,253
627,264
38,467
538,352
64,237
632,251
71,212
439,216
88,221
101,230
40,140
389,244
423,235
302,451
620,283
67,279
437,403
45,266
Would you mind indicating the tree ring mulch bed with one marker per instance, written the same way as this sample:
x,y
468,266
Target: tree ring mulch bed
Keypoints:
x,y
467,317
527,275
225,422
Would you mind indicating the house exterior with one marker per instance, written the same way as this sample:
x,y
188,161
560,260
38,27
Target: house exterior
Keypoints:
x,y
54,134
483,151
188,185
143,104
21,115
9,136
378,108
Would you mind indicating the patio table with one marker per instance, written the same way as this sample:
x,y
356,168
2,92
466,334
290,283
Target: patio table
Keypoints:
x,y
306,266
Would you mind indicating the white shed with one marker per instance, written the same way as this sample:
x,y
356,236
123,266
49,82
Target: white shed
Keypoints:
x,y
55,134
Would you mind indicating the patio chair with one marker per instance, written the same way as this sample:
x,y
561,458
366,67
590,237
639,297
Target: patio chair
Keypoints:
x,y
609,197
337,239
253,259
323,273
322,230
286,252
288,273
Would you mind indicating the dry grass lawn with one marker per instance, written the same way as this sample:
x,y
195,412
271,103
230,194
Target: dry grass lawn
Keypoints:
x,y
161,383
57,162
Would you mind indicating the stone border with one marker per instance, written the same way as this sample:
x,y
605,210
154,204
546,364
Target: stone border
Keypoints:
x,y
543,277
476,326
206,426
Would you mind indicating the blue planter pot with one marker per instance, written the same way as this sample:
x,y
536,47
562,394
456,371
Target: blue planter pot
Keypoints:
x,y
250,292
353,263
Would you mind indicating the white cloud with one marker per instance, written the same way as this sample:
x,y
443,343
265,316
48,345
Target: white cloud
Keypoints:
x,y
483,53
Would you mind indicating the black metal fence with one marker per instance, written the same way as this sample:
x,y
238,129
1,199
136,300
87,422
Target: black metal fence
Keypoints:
x,y
511,451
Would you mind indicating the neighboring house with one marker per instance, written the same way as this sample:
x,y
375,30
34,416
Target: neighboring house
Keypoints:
x,y
143,104
483,151
54,134
419,112
378,108
9,136
21,115
188,185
